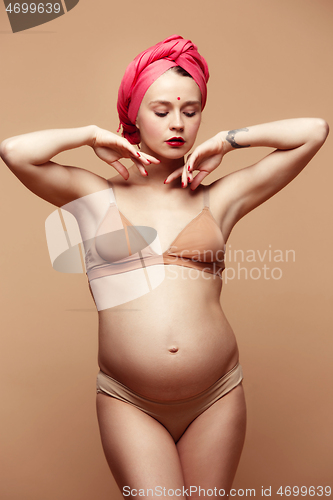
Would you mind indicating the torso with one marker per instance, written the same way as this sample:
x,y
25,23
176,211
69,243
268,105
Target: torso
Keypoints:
x,y
174,341
171,343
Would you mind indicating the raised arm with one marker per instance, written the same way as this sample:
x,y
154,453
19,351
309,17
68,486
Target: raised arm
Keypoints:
x,y
28,157
297,141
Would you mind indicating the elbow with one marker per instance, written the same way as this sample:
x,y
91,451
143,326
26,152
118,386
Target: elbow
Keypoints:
x,y
5,150
8,152
321,129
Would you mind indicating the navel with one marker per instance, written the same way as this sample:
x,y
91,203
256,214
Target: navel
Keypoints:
x,y
173,349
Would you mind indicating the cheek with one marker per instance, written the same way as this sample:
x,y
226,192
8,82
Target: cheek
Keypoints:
x,y
194,127
150,130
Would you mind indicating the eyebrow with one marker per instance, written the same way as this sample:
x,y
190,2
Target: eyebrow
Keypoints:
x,y
187,103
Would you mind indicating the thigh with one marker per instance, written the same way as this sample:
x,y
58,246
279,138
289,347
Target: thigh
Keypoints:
x,y
211,446
139,450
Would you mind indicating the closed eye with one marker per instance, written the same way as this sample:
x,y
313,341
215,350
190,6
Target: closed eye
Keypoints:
x,y
189,115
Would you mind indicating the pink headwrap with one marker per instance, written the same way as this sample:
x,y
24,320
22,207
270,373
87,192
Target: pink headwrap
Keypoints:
x,y
150,65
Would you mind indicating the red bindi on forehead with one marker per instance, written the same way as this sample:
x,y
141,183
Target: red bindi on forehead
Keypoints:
x,y
178,98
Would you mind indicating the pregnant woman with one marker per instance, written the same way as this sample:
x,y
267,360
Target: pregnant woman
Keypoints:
x,y
170,400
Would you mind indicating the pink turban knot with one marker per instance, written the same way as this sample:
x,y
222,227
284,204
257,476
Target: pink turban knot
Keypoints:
x,y
150,65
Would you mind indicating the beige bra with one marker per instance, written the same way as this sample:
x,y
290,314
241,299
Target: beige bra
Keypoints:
x,y
200,245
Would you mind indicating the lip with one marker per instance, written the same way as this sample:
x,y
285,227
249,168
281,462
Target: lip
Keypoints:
x,y
175,142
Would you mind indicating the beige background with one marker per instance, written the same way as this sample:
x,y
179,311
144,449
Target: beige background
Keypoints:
x,y
268,60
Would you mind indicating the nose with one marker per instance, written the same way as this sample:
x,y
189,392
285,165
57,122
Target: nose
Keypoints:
x,y
176,121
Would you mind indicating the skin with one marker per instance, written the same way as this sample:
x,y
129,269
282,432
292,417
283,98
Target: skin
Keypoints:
x,y
163,116
175,341
190,359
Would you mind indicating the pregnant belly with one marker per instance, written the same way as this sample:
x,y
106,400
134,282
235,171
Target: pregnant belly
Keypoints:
x,y
163,361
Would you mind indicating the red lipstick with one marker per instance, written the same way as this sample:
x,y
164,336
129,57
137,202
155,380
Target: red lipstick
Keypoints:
x,y
175,142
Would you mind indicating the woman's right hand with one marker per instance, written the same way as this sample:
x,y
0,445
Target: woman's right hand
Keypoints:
x,y
109,147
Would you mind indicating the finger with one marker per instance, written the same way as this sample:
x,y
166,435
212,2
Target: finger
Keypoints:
x,y
142,158
187,164
140,167
151,159
121,169
184,177
197,157
174,175
189,178
130,148
134,154
198,178
192,161
188,160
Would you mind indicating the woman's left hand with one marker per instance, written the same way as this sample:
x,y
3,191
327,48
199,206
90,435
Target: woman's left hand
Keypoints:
x,y
205,158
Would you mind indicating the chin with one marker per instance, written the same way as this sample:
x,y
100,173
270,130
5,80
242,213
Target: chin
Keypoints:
x,y
172,156
170,153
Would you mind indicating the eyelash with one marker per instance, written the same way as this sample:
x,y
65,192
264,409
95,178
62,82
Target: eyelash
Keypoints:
x,y
162,115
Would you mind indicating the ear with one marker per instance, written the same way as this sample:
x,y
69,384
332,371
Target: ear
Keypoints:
x,y
137,121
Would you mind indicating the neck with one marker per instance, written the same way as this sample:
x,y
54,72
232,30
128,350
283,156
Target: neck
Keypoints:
x,y
158,173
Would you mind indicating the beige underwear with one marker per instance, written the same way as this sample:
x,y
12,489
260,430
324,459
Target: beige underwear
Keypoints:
x,y
177,415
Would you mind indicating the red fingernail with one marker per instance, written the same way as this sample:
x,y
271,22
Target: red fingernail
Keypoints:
x,y
182,184
165,181
188,168
138,154
188,179
146,172
148,161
